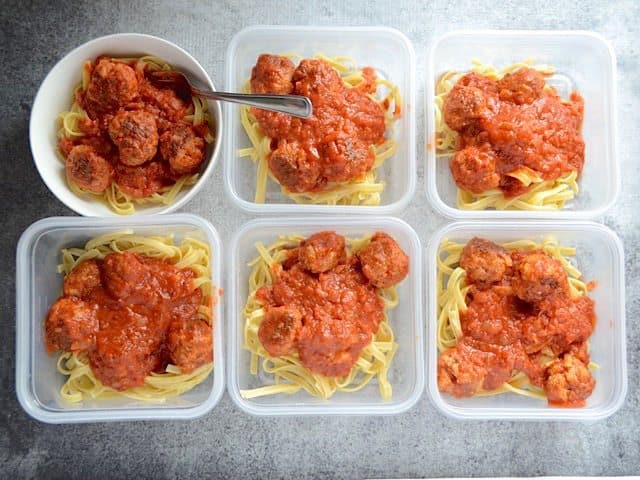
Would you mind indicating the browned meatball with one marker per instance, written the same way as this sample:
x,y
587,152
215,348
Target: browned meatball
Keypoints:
x,y
464,106
71,325
182,148
124,274
383,261
569,320
190,343
474,169
485,262
568,382
272,74
142,181
522,86
136,136
322,251
87,169
164,104
537,275
279,330
290,165
82,279
346,158
313,77
123,354
112,85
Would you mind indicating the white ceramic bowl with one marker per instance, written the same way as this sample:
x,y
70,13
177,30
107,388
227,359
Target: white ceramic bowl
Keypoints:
x,y
55,96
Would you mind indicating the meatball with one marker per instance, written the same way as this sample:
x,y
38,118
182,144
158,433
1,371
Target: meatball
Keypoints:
x,y
314,78
182,148
124,351
346,158
71,325
190,343
473,366
291,167
88,170
489,315
458,377
485,262
537,276
142,181
568,382
272,74
383,261
474,169
322,251
464,106
164,104
136,136
522,86
569,320
82,279
112,85
279,329
124,274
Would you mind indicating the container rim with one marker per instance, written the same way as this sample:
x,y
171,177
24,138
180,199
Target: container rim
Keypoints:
x,y
293,208
24,323
525,414
327,408
431,188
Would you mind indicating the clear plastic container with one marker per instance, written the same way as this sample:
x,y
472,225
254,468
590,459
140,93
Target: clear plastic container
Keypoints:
x,y
600,257
393,58
38,285
584,61
407,370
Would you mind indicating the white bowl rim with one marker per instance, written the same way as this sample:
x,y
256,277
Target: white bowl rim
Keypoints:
x,y
184,196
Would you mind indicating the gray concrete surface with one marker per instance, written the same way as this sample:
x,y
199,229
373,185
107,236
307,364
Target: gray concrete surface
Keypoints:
x,y
228,443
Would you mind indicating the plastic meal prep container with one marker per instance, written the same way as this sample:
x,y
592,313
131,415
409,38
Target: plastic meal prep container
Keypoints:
x,y
387,50
584,61
406,373
38,285
600,257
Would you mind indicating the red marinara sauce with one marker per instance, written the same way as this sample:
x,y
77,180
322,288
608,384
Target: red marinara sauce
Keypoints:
x,y
132,315
511,123
520,317
323,304
334,145
136,134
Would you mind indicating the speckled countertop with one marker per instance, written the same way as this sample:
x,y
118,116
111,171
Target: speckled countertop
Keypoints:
x,y
227,442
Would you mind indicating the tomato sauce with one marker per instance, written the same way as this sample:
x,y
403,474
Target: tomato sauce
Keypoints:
x,y
131,128
326,317
127,306
503,332
511,123
334,145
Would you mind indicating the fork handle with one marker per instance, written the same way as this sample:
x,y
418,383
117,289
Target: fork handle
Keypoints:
x,y
295,105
